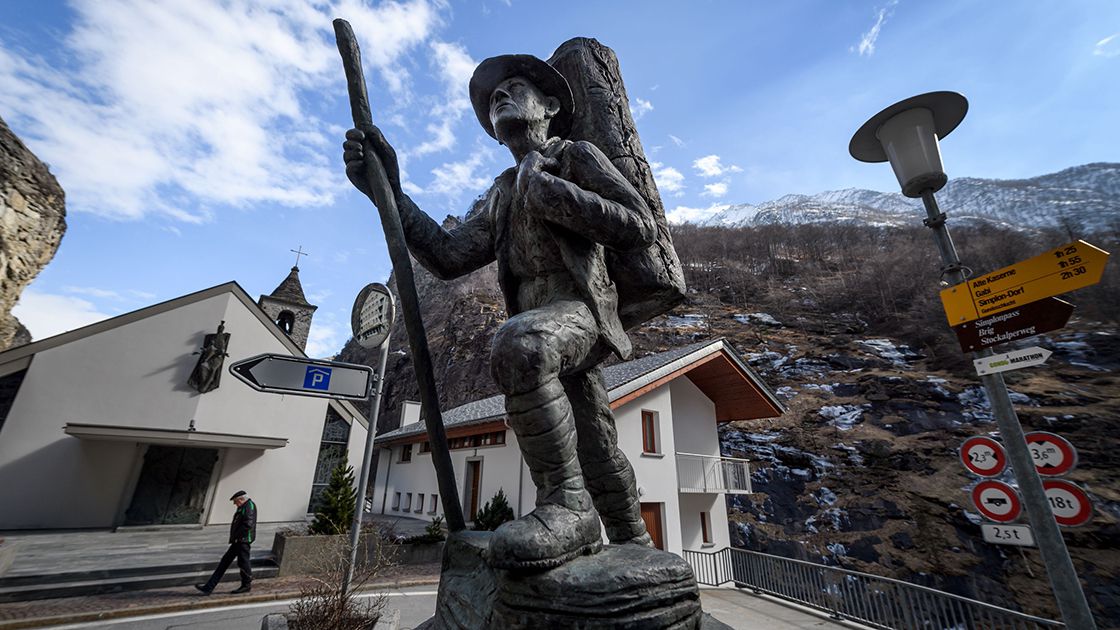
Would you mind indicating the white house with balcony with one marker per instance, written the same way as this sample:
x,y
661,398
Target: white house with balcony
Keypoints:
x,y
667,407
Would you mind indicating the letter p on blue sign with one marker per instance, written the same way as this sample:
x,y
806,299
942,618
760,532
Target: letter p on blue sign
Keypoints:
x,y
317,378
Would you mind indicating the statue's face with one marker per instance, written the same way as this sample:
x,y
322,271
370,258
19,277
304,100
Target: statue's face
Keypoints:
x,y
517,103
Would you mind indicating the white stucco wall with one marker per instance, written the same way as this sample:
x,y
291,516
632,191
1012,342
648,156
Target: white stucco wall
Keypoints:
x,y
135,375
687,424
499,470
656,474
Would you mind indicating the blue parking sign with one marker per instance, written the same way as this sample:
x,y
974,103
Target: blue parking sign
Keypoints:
x,y
317,377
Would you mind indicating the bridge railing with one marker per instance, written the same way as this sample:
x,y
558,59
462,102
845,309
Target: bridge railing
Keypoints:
x,y
871,600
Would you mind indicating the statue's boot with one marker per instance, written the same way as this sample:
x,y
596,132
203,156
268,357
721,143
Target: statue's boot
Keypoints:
x,y
609,475
564,524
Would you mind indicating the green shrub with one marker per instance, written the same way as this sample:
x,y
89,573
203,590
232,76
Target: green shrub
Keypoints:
x,y
495,512
339,499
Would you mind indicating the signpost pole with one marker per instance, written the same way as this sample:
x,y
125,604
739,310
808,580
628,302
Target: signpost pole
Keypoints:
x,y
363,478
1059,567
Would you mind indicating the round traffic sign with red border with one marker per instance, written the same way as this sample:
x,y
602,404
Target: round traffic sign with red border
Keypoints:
x,y
1051,454
1070,504
983,456
997,501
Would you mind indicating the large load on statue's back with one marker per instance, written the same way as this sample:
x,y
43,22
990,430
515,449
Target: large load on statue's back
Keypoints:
x,y
649,282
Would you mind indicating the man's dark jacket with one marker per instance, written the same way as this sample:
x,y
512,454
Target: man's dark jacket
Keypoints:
x,y
244,526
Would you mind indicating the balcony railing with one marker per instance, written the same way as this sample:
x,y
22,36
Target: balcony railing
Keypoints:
x,y
707,473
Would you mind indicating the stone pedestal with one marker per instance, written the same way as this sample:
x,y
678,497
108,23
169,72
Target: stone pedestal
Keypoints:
x,y
621,587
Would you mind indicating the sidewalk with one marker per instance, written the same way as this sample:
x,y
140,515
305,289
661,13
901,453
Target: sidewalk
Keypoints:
x,y
47,612
44,553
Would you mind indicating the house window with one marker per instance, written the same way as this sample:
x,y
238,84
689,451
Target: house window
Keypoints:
x,y
650,437
706,528
406,453
396,500
495,438
332,452
420,502
425,447
432,507
407,502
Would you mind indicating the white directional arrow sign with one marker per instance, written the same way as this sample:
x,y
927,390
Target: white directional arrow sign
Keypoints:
x,y
285,374
1008,361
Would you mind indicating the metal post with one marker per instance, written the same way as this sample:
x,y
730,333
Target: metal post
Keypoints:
x,y
363,477
1059,567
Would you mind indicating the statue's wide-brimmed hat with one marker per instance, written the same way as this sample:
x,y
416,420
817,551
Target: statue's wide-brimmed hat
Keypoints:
x,y
494,70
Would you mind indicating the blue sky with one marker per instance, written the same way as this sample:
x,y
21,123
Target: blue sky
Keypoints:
x,y
198,142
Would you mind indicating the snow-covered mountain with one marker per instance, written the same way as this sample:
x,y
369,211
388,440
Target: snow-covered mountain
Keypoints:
x,y
1085,198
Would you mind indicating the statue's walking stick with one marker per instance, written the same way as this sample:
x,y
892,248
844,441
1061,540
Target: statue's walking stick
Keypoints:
x,y
406,286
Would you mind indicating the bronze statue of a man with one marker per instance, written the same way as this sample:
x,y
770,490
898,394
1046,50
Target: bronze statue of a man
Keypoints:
x,y
548,221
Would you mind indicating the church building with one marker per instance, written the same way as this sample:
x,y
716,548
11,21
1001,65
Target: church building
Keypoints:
x,y
136,421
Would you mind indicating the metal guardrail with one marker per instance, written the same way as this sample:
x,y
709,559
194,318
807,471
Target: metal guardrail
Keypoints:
x,y
707,473
871,600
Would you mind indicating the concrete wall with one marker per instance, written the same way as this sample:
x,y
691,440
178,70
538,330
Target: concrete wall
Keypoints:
x,y
135,376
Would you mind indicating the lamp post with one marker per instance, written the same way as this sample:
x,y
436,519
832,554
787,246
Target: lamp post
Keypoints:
x,y
906,134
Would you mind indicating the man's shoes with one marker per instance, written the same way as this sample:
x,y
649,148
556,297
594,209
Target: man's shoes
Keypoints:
x,y
244,588
202,588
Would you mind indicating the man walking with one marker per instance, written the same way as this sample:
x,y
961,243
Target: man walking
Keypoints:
x,y
548,221
242,533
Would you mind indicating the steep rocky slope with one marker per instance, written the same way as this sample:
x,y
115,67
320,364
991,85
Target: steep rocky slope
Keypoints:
x,y
862,471
32,222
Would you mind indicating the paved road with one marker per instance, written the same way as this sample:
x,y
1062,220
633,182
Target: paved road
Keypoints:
x,y
739,610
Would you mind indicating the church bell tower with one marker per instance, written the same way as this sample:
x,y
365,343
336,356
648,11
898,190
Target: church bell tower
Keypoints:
x,y
289,309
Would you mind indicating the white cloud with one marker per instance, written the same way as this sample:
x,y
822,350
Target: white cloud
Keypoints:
x,y
867,42
711,166
326,337
92,292
640,107
47,315
677,141
1108,47
717,189
455,67
170,105
668,179
453,179
684,214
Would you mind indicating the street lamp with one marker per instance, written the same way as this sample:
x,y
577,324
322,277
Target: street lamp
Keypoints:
x,y
906,134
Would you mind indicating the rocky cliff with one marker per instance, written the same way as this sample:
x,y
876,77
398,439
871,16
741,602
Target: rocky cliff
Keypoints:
x,y
32,222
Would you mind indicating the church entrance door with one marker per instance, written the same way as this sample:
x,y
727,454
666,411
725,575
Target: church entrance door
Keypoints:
x,y
172,486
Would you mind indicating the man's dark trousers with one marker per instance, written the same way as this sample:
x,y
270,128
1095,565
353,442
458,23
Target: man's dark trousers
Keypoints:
x,y
239,551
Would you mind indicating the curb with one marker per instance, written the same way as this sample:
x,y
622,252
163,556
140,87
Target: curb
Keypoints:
x,y
201,604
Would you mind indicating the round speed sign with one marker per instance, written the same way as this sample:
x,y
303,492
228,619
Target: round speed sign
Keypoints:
x,y
372,316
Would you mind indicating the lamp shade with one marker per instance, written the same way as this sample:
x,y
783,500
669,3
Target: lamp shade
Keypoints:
x,y
907,135
910,142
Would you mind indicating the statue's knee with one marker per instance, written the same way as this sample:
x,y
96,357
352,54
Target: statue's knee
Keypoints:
x,y
521,362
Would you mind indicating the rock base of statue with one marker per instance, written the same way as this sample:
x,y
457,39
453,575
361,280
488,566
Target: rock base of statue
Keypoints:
x,y
621,587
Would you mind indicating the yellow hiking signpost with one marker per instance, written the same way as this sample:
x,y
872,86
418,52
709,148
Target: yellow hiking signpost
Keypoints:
x,y
1060,270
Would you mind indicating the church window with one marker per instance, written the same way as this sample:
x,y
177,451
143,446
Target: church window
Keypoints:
x,y
406,453
332,452
286,321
